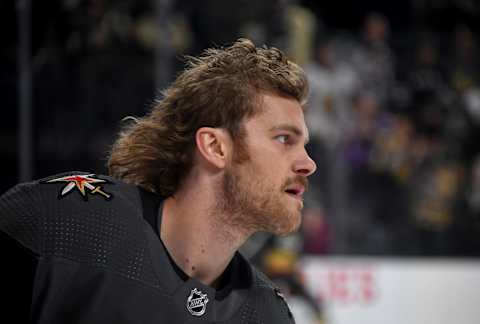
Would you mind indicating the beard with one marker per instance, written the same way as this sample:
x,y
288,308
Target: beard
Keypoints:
x,y
251,204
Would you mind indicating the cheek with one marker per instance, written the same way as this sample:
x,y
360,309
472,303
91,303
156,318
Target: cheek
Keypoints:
x,y
269,160
268,178
267,166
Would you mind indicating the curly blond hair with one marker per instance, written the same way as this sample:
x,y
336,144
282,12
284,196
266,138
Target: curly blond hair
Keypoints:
x,y
220,88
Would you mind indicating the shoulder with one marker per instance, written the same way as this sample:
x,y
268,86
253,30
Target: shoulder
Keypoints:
x,y
255,298
275,308
90,219
30,211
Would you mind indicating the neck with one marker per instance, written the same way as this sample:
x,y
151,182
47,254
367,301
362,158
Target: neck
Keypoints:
x,y
195,234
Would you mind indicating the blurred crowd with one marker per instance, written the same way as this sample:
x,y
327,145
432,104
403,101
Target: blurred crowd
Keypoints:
x,y
396,132
393,116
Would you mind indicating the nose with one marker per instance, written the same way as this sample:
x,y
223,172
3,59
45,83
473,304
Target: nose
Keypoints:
x,y
305,166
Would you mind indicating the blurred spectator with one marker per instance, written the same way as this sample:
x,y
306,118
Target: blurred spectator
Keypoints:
x,y
302,24
316,231
428,85
332,85
463,74
373,58
361,136
465,229
329,114
375,198
392,151
464,62
473,193
435,193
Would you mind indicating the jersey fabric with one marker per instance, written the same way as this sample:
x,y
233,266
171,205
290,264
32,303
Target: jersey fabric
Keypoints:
x,y
82,248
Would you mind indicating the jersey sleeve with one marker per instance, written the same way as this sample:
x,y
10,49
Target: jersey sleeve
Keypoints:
x,y
19,247
21,213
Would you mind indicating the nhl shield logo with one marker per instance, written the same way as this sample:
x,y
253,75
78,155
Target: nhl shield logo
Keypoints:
x,y
197,302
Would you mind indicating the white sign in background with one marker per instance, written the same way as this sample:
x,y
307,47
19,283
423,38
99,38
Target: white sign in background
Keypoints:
x,y
395,291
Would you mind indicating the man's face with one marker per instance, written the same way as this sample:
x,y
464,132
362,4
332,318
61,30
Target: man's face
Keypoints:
x,y
264,192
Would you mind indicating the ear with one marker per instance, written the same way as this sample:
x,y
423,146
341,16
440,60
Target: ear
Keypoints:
x,y
214,145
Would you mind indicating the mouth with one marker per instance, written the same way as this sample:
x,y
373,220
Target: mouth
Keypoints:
x,y
296,191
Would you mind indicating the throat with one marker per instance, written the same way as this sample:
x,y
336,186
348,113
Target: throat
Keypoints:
x,y
196,245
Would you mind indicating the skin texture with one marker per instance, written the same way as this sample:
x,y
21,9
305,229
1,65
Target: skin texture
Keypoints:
x,y
224,200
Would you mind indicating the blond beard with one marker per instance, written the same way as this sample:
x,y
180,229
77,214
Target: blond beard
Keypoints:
x,y
252,207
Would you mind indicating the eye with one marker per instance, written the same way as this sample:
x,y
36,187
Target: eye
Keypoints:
x,y
282,138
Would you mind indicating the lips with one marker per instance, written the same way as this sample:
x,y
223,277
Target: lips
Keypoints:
x,y
295,187
295,190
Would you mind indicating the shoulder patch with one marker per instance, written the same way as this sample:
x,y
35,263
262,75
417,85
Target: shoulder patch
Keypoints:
x,y
83,183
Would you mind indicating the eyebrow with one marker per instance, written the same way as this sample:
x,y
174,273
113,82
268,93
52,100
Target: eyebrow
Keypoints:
x,y
288,127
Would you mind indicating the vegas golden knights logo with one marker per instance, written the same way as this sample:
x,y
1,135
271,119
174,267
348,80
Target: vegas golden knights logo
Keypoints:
x,y
83,183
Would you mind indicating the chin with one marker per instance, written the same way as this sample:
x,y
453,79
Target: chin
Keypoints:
x,y
289,227
296,226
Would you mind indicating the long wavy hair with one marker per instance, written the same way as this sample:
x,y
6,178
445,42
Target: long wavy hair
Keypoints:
x,y
220,88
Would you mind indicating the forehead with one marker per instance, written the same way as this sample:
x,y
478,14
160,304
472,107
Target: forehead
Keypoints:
x,y
278,111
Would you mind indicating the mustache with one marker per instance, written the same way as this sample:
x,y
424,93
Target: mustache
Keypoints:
x,y
297,180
